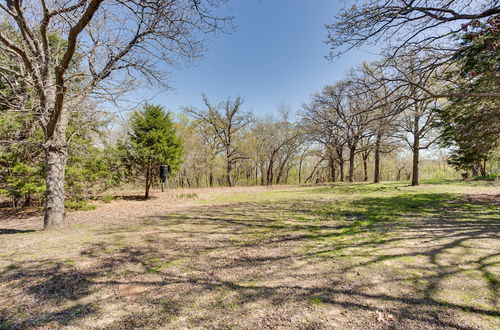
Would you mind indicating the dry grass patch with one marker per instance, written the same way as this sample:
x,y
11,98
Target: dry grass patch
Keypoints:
x,y
344,256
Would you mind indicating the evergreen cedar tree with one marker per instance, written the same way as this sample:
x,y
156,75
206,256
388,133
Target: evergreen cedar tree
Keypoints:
x,y
153,141
471,126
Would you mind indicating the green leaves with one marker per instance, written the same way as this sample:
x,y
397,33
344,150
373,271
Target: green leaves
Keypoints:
x,y
23,180
471,126
153,141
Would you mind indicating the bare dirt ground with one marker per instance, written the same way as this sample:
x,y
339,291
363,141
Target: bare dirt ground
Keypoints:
x,y
129,205
348,256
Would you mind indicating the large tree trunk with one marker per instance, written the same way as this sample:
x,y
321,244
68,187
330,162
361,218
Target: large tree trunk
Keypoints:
x,y
340,160
483,168
281,169
415,149
287,174
300,168
210,176
269,173
333,174
55,164
475,171
211,179
341,170
376,170
398,176
416,152
365,168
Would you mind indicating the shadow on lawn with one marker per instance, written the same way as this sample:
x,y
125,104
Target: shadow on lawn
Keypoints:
x,y
14,231
245,254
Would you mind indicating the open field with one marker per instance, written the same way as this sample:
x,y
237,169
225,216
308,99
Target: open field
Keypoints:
x,y
335,256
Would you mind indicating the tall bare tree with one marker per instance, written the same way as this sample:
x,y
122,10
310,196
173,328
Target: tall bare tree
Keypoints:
x,y
413,27
344,106
227,121
116,40
385,102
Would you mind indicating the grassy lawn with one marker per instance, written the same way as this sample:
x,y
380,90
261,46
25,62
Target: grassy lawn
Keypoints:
x,y
336,256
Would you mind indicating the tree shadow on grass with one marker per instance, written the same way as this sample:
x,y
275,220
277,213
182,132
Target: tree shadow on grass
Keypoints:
x,y
14,231
134,197
210,267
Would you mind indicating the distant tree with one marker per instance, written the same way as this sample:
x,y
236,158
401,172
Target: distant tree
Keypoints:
x,y
416,127
385,105
346,109
275,143
317,123
152,141
227,122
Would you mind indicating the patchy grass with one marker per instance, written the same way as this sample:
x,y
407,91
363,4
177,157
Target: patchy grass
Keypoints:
x,y
78,205
187,195
339,256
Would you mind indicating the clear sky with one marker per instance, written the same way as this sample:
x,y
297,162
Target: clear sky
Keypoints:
x,y
276,54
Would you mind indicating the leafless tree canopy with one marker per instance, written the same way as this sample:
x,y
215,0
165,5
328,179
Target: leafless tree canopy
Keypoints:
x,y
122,40
404,23
423,30
227,121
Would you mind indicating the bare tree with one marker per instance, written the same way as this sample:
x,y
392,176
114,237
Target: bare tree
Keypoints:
x,y
407,28
346,108
317,125
227,122
101,45
404,23
386,104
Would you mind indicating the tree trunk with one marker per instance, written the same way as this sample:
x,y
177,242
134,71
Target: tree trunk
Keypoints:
x,y
55,163
398,176
416,152
475,171
341,170
287,174
300,170
281,169
314,171
262,182
148,183
228,173
376,170
269,174
340,161
210,178
365,168
482,168
333,174
352,153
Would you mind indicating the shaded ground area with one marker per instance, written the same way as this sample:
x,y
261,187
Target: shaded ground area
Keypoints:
x,y
342,256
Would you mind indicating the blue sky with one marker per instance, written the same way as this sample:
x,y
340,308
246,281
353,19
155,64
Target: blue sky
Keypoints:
x,y
276,54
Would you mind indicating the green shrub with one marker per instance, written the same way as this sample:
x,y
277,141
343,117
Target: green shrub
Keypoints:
x,y
108,198
490,177
78,205
24,183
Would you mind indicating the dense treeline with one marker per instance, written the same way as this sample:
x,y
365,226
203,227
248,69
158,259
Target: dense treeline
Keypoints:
x,y
374,124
